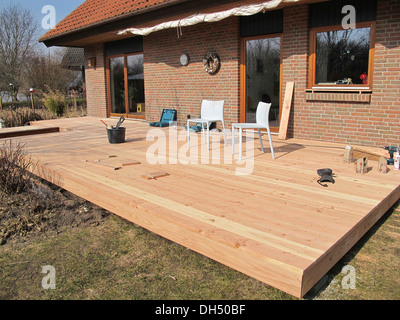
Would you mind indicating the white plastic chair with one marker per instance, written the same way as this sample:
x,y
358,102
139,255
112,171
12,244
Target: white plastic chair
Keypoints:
x,y
211,111
262,115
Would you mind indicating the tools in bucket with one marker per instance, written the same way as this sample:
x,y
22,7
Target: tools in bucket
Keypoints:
x,y
120,121
116,134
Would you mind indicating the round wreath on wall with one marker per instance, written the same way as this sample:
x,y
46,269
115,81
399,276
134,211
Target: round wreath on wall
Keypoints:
x,y
211,63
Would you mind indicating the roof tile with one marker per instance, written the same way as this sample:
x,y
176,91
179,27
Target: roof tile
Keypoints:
x,y
96,11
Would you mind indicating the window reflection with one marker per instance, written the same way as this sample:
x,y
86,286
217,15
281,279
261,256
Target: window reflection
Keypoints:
x,y
136,84
263,58
117,85
342,57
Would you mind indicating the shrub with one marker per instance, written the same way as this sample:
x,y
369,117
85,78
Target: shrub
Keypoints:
x,y
55,101
15,163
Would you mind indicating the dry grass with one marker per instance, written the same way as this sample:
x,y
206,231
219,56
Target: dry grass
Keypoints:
x,y
23,115
376,261
118,260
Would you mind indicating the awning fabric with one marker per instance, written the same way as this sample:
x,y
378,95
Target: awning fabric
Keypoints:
x,y
246,10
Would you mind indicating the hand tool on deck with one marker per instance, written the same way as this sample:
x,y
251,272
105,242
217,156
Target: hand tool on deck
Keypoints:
x,y
326,175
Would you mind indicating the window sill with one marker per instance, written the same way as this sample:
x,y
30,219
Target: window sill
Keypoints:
x,y
339,94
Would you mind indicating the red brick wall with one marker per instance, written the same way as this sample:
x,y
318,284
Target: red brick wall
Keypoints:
x,y
383,123
170,85
96,92
375,122
295,47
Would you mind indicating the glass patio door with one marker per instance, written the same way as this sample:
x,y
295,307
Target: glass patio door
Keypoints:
x,y
126,86
262,74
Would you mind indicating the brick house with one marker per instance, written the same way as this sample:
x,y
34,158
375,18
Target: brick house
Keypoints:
x,y
347,80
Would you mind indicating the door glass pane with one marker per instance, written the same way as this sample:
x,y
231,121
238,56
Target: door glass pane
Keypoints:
x,y
136,84
117,81
263,58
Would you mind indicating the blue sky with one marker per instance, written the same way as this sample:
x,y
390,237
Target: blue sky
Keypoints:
x,y
62,7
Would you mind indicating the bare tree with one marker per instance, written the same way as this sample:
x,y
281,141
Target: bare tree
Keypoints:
x,y
45,72
18,36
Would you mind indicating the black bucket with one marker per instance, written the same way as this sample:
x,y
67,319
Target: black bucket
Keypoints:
x,y
116,135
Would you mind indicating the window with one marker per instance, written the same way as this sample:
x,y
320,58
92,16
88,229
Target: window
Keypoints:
x,y
342,57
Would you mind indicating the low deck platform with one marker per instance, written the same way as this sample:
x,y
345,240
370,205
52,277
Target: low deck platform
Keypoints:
x,y
274,223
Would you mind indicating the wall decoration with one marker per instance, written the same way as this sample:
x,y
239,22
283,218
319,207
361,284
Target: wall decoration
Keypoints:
x,y
211,63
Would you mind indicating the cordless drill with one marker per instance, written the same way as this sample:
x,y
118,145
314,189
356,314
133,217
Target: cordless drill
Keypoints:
x,y
392,151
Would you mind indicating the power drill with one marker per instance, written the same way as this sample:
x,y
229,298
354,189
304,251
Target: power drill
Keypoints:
x,y
392,151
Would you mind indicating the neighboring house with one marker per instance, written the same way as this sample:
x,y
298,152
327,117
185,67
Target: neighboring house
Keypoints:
x,y
74,59
347,81
6,97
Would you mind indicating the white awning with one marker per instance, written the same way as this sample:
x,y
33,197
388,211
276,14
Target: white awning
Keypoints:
x,y
247,10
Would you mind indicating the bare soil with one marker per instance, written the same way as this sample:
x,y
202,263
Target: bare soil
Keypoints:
x,y
44,209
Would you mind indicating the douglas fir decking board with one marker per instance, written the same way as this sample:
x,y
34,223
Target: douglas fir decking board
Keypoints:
x,y
276,224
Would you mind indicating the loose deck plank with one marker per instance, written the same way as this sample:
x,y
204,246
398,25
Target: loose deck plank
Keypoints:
x,y
287,104
276,224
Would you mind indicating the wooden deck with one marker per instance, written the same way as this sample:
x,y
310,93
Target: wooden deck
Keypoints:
x,y
276,224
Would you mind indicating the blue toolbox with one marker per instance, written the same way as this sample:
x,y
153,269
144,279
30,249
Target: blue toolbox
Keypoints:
x,y
167,116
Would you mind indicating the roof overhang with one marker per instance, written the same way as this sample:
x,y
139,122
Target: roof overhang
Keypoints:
x,y
172,12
